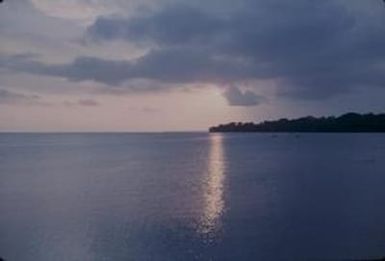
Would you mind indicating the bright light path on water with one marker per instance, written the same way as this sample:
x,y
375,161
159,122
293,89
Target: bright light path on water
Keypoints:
x,y
214,203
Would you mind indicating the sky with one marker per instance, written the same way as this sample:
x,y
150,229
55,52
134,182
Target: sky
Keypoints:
x,y
178,65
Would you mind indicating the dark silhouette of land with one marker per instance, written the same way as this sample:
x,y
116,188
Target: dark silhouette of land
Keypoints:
x,y
350,122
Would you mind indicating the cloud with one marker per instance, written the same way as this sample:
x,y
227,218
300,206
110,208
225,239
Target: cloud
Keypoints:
x,y
88,102
15,98
174,65
176,24
149,109
70,9
82,102
314,49
235,97
310,49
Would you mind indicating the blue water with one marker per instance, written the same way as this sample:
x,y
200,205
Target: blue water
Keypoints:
x,y
192,196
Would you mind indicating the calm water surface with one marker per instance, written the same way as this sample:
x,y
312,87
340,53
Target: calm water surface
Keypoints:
x,y
192,196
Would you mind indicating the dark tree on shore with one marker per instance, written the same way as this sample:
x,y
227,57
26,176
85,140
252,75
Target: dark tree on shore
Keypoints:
x,y
350,122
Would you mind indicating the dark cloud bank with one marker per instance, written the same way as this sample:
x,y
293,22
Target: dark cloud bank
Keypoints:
x,y
312,49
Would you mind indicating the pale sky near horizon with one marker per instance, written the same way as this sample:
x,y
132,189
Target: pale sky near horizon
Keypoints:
x,y
178,65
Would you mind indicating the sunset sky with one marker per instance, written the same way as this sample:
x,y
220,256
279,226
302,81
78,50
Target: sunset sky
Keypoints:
x,y
178,65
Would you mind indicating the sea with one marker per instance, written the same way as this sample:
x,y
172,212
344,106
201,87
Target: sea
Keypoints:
x,y
192,196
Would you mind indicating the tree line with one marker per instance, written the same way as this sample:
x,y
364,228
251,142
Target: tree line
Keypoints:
x,y
349,122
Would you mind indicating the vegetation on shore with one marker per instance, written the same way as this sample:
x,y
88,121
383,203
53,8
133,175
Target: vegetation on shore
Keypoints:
x,y
350,122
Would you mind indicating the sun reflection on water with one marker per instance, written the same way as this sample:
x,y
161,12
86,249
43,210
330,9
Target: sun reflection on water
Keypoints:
x,y
214,203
